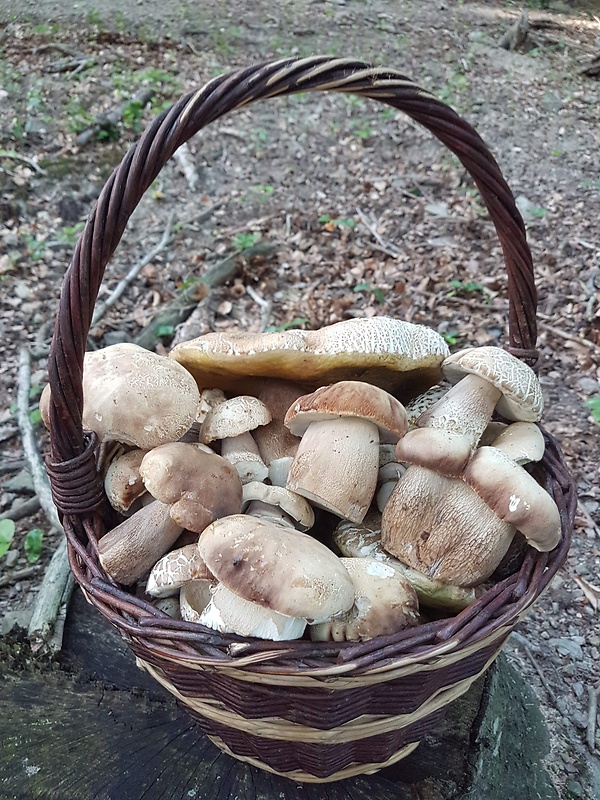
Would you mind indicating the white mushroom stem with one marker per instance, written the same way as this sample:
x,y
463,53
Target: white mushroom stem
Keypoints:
x,y
269,513
228,613
134,546
279,470
270,502
242,453
387,478
336,466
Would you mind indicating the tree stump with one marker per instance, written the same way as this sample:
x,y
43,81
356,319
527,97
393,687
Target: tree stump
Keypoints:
x,y
93,726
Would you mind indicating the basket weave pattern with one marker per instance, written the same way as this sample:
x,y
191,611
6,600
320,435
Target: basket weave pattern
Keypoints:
x,y
311,711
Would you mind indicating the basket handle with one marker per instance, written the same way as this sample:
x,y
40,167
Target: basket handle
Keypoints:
x,y
124,189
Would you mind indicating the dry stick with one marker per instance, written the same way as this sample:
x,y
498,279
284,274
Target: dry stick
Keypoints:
x,y
184,159
570,337
109,119
516,34
265,306
118,291
14,467
386,247
14,156
22,510
590,735
17,575
52,590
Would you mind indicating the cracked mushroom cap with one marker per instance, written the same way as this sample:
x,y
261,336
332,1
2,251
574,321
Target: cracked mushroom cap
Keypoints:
x,y
199,486
176,568
521,391
133,396
234,417
384,603
278,568
348,399
379,350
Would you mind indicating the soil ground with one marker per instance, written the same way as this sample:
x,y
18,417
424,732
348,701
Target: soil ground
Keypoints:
x,y
369,216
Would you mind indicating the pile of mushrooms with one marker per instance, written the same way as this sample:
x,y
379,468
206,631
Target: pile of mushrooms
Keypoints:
x,y
315,483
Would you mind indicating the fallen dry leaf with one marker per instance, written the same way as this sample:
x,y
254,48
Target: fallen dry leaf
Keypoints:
x,y
590,591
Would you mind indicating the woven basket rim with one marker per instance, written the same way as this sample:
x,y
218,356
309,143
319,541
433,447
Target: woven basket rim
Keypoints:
x,y
77,490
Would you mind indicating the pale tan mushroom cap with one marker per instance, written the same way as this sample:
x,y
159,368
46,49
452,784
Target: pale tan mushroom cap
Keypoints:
x,y
233,417
379,350
521,391
422,402
123,483
294,505
200,486
384,603
348,399
133,396
285,570
522,442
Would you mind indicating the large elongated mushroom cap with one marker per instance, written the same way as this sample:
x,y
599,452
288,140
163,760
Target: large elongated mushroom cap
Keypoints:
x,y
285,570
521,391
348,399
380,350
133,396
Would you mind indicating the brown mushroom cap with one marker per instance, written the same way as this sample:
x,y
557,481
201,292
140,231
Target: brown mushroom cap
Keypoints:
x,y
348,399
200,486
379,350
134,396
522,442
282,569
275,441
521,391
123,483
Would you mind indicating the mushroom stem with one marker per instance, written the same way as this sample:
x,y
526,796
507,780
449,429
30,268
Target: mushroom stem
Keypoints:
x,y
270,513
242,453
336,466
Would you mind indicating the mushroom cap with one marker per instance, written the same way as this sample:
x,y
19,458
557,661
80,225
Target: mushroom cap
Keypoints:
x,y
422,402
176,568
133,396
274,440
522,442
233,417
440,527
384,603
435,448
380,350
229,613
281,569
199,486
348,399
123,483
521,391
363,540
193,599
515,497
293,505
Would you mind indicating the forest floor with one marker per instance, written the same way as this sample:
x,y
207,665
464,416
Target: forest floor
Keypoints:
x,y
367,215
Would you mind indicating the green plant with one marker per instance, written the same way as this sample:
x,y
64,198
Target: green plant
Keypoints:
x,y
7,532
451,337
36,249
243,241
463,288
594,405
337,222
262,191
294,323
590,185
375,290
70,234
32,543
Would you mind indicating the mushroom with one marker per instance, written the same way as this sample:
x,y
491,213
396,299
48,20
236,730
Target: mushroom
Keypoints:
x,y
363,540
278,568
522,442
231,422
199,486
384,603
176,568
193,599
387,478
277,505
227,612
447,432
336,462
209,398
422,402
133,396
276,444
133,547
380,350
123,483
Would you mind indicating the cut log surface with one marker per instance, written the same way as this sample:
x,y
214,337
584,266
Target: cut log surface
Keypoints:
x,y
94,727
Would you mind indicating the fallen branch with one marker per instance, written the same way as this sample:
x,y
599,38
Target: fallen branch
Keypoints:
x,y
516,34
15,466
183,157
569,337
22,509
71,65
14,156
590,737
17,575
118,291
55,579
384,246
54,592
108,119
265,306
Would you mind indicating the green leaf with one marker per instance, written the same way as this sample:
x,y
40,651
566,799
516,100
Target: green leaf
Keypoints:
x,y
33,544
164,330
594,404
35,416
362,287
7,532
324,218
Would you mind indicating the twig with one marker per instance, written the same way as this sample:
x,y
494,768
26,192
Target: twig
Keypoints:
x,y
8,467
587,518
517,33
62,48
17,575
590,734
22,510
14,156
55,643
108,119
570,337
117,292
42,631
386,247
183,157
231,132
265,305
540,672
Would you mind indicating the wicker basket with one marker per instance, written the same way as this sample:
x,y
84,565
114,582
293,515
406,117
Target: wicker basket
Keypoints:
x,y
308,711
